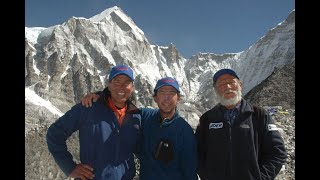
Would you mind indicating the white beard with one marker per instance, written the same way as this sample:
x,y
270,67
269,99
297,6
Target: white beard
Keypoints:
x,y
231,101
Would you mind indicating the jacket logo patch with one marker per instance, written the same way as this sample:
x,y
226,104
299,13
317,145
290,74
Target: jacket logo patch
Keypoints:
x,y
272,127
215,125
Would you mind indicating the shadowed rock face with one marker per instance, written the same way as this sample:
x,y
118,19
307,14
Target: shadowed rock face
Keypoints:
x,y
276,90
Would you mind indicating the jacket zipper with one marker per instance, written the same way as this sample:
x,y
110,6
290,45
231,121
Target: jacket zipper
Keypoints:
x,y
117,129
230,149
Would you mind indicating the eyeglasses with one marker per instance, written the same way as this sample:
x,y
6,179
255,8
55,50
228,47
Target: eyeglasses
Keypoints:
x,y
227,83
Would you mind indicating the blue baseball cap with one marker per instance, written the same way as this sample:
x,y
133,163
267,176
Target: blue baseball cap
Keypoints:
x,y
222,72
121,69
167,81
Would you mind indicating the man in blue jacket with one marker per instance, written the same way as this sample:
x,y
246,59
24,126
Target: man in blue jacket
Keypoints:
x,y
169,149
231,144
109,133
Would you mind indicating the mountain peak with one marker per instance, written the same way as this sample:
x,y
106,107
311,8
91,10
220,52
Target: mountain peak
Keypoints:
x,y
106,13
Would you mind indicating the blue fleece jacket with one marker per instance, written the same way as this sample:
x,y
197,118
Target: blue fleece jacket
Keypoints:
x,y
184,163
104,145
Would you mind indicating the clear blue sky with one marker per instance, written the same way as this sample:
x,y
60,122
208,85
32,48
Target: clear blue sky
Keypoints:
x,y
214,26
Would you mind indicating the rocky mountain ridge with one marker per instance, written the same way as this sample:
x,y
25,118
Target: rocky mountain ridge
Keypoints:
x,y
64,62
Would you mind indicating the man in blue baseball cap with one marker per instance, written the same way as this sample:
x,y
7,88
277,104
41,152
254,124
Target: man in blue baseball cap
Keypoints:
x,y
222,72
121,69
168,81
235,139
231,96
169,148
109,133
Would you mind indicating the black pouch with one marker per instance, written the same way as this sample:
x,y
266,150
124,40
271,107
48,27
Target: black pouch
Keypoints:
x,y
164,151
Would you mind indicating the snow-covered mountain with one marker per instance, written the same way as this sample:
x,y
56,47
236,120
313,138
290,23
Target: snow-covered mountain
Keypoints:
x,y
64,62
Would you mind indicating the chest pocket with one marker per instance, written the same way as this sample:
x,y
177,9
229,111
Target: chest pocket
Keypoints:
x,y
243,130
242,136
164,151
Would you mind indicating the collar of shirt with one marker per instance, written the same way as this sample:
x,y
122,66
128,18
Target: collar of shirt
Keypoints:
x,y
231,114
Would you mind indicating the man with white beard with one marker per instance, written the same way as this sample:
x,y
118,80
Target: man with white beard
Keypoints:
x,y
234,143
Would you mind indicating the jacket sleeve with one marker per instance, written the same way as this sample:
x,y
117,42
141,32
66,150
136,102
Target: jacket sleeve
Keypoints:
x,y
201,146
273,154
189,155
58,133
101,93
138,145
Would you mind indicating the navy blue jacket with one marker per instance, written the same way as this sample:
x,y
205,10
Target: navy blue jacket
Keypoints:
x,y
183,166
228,152
104,145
